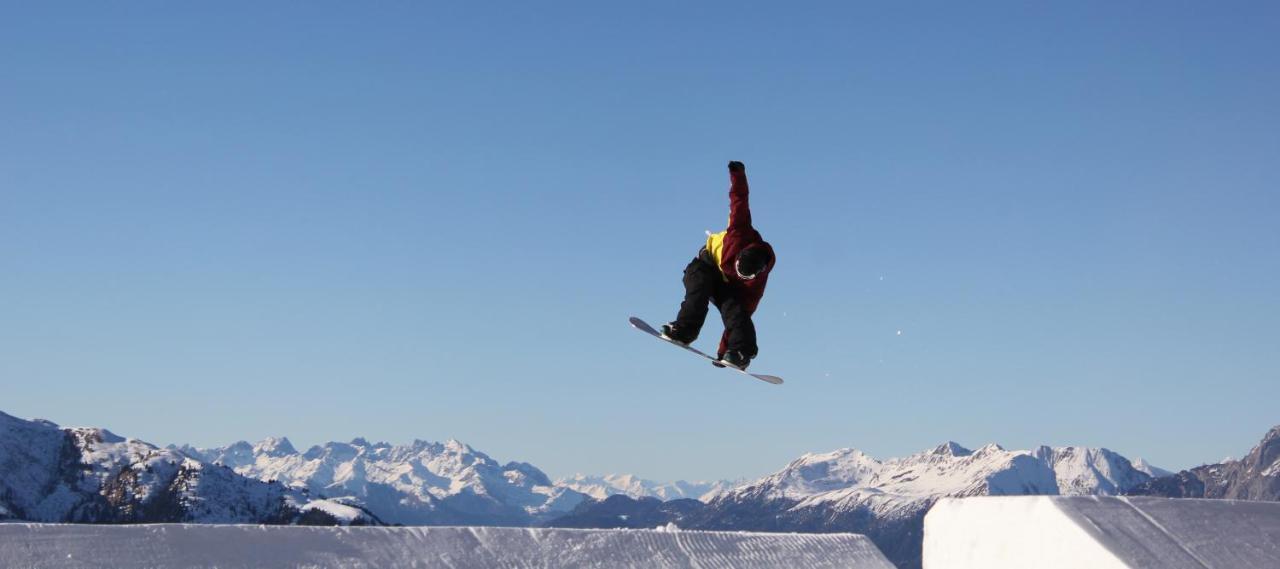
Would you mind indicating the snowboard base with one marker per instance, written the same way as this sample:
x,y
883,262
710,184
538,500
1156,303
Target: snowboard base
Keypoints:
x,y
643,326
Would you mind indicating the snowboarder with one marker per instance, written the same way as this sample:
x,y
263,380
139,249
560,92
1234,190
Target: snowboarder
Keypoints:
x,y
730,271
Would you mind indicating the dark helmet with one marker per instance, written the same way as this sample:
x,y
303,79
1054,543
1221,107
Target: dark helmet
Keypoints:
x,y
751,261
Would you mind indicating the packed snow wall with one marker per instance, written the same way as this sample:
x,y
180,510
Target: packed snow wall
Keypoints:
x,y
124,547
1051,532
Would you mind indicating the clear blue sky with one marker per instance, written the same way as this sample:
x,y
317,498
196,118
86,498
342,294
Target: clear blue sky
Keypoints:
x,y
401,220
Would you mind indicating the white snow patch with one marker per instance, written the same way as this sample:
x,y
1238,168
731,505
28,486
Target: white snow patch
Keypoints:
x,y
127,547
344,513
1141,465
1101,533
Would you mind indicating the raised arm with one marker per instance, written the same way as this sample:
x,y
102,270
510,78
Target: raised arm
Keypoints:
x,y
739,210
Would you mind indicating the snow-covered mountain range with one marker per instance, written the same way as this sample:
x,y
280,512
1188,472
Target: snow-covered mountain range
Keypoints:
x,y
421,483
601,487
91,475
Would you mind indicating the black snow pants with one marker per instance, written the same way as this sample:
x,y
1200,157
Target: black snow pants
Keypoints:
x,y
702,283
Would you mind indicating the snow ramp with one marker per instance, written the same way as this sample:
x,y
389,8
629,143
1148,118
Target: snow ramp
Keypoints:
x,y
1051,532
228,546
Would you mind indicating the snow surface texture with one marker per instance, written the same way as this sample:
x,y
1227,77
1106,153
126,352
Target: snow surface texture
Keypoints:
x,y
422,483
124,547
1101,533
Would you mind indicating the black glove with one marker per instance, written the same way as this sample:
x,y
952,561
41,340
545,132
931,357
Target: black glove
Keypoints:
x,y
736,166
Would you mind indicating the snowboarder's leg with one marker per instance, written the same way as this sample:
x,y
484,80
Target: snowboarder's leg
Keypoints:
x,y
739,330
700,280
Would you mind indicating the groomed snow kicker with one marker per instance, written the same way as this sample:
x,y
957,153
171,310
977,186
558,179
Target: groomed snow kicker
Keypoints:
x,y
1051,532
183,545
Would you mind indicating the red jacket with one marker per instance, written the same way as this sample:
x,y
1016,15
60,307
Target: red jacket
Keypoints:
x,y
723,247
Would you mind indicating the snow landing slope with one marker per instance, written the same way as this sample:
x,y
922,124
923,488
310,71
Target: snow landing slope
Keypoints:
x,y
422,483
33,545
1101,533
91,475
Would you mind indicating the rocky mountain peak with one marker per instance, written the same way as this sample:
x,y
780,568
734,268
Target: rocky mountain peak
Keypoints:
x,y
988,449
457,446
1267,454
1272,435
531,473
275,447
950,448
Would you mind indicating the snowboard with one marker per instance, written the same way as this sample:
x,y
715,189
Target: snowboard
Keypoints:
x,y
643,326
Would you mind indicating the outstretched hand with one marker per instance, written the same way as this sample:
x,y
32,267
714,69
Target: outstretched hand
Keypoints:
x,y
736,166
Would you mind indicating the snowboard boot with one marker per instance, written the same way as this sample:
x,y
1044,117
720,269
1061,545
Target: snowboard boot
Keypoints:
x,y
734,358
672,332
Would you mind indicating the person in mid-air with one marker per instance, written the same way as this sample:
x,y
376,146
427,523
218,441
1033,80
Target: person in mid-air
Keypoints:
x,y
730,271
